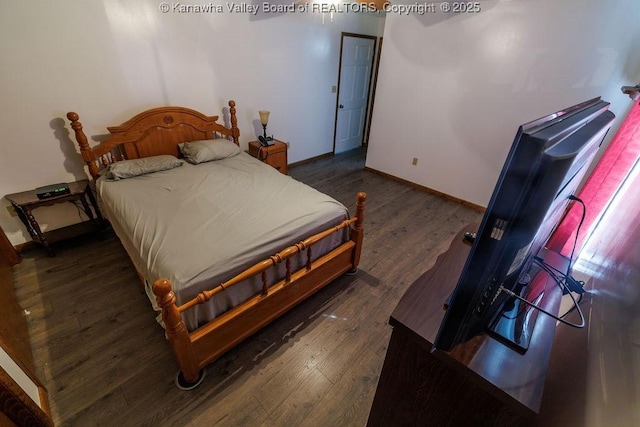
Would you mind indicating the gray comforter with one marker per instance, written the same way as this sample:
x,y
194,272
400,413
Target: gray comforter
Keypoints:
x,y
199,225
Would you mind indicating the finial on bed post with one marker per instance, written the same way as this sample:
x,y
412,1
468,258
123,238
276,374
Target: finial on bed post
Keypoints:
x,y
357,232
177,334
85,149
234,122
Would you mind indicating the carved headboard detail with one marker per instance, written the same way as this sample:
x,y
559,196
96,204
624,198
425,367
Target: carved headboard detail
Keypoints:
x,y
152,132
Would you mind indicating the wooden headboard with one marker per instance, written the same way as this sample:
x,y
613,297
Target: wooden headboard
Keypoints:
x,y
151,133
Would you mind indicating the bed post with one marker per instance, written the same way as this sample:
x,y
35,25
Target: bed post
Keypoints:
x,y
234,122
85,149
190,375
357,232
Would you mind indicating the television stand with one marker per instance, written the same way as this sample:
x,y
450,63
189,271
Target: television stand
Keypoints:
x,y
480,382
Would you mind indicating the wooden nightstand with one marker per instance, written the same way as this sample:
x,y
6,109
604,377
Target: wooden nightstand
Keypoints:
x,y
26,201
274,155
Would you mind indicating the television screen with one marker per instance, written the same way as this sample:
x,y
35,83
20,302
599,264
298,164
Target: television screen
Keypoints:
x,y
546,163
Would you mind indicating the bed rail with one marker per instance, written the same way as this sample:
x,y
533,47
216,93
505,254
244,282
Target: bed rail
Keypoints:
x,y
194,350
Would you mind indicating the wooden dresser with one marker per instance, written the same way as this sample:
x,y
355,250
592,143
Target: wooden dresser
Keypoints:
x,y
480,382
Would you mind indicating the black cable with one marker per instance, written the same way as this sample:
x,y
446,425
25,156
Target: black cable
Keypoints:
x,y
567,276
81,210
561,284
262,153
551,270
564,275
519,313
575,240
560,281
574,325
573,307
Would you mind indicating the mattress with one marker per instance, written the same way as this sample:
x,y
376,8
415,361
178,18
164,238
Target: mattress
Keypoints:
x,y
199,225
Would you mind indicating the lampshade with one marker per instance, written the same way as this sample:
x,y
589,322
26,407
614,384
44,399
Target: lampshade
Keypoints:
x,y
264,117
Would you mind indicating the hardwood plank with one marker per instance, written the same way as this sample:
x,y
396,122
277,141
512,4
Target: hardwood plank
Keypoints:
x,y
295,409
336,324
350,398
110,405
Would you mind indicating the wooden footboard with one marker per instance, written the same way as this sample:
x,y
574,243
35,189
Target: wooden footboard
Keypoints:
x,y
194,350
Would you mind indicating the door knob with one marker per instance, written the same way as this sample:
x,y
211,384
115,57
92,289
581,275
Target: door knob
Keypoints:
x,y
340,106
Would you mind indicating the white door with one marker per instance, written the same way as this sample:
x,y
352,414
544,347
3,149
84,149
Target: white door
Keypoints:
x,y
353,94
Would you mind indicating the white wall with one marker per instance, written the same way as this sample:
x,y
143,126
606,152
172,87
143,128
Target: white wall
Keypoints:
x,y
453,89
109,60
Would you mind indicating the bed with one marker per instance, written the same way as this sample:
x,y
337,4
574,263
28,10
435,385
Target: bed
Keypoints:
x,y
222,242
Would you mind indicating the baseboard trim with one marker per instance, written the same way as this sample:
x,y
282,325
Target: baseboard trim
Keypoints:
x,y
312,159
428,190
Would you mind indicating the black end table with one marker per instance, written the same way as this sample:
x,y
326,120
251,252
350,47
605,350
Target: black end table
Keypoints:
x,y
25,202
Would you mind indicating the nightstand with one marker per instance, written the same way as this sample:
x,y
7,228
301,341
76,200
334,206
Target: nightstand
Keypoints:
x,y
274,155
26,201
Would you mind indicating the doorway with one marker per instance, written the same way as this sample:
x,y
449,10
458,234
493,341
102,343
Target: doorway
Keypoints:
x,y
355,73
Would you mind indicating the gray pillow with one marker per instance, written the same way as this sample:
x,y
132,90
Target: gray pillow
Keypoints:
x,y
135,167
208,150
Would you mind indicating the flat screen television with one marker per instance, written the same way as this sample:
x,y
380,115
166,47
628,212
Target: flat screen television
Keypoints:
x,y
546,163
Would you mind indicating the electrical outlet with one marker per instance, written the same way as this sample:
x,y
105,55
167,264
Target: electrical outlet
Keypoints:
x,y
334,89
414,162
11,210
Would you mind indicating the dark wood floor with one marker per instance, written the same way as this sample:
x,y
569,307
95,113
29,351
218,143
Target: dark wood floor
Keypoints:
x,y
104,359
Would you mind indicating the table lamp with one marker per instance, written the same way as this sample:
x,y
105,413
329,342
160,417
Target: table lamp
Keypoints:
x,y
264,119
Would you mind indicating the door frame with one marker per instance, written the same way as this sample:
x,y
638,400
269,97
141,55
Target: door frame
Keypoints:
x,y
367,121
372,92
